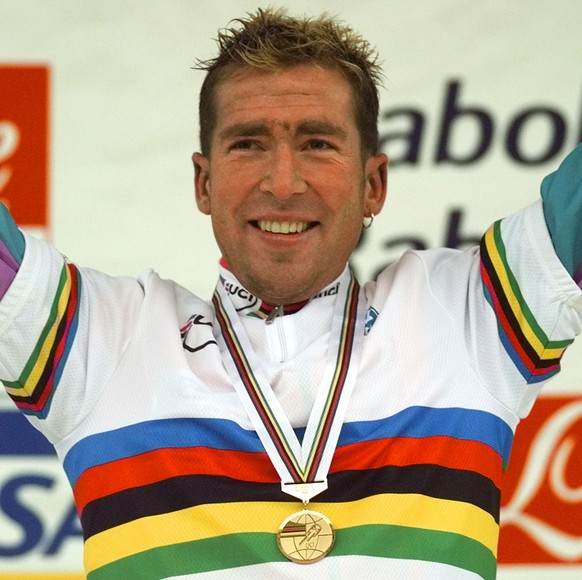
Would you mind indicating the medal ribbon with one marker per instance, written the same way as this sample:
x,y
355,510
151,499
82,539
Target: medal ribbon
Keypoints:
x,y
295,463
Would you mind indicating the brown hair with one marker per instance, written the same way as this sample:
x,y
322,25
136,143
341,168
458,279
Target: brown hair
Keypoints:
x,y
270,40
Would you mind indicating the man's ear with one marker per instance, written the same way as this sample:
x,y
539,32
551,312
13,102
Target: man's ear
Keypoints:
x,y
202,182
376,183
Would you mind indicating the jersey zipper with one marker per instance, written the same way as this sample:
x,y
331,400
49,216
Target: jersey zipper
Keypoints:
x,y
282,340
276,317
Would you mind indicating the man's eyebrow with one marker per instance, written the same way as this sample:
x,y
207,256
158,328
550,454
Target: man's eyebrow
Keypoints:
x,y
261,129
319,127
250,129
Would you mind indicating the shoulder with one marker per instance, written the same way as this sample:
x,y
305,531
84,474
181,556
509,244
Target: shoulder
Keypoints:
x,y
426,269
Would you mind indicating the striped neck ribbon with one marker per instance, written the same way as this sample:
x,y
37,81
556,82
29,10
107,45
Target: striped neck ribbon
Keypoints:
x,y
302,467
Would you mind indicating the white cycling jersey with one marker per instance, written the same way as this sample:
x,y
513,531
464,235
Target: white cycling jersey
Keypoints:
x,y
126,379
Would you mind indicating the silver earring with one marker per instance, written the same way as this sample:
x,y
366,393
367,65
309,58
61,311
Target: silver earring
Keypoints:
x,y
367,221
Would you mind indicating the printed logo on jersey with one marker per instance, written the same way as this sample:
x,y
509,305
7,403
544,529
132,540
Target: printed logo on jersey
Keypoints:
x,y
541,513
371,316
241,298
331,291
24,138
197,340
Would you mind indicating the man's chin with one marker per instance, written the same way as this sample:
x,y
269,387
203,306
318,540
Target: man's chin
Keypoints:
x,y
281,286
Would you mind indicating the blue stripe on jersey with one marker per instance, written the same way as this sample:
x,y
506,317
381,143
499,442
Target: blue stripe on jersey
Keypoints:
x,y
157,434
466,424
227,435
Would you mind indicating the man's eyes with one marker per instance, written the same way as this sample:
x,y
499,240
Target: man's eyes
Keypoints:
x,y
254,144
318,145
245,144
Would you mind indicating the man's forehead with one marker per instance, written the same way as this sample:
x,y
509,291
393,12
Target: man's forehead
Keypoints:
x,y
297,85
304,99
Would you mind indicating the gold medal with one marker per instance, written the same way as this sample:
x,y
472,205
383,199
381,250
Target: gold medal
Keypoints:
x,y
305,537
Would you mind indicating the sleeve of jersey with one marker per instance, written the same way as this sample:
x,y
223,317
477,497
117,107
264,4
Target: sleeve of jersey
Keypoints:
x,y
536,304
561,193
62,332
11,249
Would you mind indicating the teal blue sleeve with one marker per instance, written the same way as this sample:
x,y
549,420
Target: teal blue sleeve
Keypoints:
x,y
11,249
562,201
10,235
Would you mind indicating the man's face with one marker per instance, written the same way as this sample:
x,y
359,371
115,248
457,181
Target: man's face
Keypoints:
x,y
285,183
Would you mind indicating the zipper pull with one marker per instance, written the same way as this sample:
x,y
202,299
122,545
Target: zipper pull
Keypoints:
x,y
277,311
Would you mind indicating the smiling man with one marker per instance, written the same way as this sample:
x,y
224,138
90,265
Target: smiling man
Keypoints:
x,y
296,425
285,179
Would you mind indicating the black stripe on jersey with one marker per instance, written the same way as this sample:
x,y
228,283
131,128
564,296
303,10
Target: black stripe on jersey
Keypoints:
x,y
187,491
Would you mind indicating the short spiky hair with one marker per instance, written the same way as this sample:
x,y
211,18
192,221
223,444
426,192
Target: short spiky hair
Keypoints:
x,y
270,40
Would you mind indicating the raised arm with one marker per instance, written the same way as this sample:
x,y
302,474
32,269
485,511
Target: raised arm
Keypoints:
x,y
562,198
63,330
11,249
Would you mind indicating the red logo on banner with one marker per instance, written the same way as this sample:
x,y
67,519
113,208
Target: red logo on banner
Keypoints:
x,y
24,142
541,514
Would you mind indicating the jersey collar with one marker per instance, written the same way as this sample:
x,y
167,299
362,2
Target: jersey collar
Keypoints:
x,y
245,303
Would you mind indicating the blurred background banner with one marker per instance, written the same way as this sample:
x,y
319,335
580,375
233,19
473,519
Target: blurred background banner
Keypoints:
x,y
24,142
98,120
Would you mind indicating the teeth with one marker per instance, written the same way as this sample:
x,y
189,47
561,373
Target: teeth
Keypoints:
x,y
283,227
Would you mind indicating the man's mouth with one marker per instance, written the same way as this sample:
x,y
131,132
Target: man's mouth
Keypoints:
x,y
283,227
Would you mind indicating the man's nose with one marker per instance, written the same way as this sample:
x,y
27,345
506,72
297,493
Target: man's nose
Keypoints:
x,y
283,178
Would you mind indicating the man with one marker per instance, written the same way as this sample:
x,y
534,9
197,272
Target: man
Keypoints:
x,y
297,426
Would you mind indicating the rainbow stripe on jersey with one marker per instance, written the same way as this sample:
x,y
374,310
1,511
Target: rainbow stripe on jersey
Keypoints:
x,y
183,496
535,356
38,381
